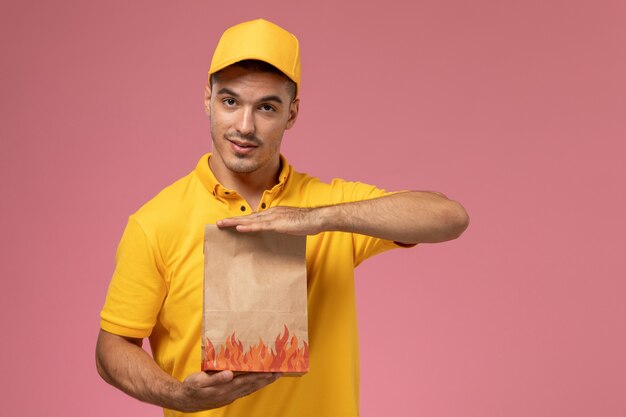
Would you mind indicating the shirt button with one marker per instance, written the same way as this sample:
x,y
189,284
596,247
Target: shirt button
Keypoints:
x,y
263,205
243,208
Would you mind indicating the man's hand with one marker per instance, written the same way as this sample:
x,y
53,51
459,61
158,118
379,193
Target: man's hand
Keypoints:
x,y
203,391
406,217
290,220
124,364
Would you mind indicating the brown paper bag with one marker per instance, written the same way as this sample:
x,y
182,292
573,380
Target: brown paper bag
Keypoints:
x,y
255,302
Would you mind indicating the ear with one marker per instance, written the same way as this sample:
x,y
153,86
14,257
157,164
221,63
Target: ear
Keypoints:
x,y
294,107
207,100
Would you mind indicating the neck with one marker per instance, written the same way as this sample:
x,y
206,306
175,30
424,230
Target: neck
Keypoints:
x,y
249,185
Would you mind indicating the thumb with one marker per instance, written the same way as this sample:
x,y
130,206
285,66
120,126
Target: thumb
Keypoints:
x,y
205,379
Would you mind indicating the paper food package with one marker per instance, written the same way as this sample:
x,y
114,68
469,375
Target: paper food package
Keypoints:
x,y
255,302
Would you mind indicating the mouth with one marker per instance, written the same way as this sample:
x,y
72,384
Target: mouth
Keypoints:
x,y
242,146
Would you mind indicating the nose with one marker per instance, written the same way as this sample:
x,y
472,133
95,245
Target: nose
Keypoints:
x,y
245,121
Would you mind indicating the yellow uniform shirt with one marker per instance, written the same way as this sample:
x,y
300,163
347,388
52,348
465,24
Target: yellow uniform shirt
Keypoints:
x,y
156,289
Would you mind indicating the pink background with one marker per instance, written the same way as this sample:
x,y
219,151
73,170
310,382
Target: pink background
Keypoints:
x,y
515,108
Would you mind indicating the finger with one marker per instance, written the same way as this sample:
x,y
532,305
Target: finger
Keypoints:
x,y
247,384
205,379
245,227
250,224
234,221
222,377
252,378
254,227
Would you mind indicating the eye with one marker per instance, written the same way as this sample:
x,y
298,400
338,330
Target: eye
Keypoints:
x,y
267,107
229,102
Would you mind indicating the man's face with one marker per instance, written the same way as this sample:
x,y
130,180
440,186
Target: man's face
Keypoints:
x,y
249,113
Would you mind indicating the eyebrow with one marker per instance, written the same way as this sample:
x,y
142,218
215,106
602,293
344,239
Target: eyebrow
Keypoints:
x,y
229,92
272,98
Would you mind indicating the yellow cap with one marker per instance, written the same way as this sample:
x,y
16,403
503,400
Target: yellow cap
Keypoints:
x,y
260,40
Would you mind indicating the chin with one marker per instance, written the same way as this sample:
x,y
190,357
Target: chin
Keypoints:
x,y
242,166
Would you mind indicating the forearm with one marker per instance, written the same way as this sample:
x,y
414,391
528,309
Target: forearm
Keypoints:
x,y
124,364
407,217
128,367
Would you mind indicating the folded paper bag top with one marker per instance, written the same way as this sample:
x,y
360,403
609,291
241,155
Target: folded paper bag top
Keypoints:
x,y
255,302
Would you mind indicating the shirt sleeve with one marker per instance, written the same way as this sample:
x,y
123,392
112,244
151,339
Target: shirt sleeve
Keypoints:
x,y
137,289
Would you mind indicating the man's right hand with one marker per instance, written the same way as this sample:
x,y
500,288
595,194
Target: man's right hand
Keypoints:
x,y
124,364
202,390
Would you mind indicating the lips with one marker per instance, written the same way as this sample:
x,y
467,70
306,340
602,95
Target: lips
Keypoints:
x,y
242,146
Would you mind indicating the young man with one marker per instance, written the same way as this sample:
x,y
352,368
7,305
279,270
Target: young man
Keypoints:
x,y
245,183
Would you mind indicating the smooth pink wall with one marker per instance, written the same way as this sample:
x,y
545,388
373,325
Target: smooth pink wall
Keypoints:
x,y
515,108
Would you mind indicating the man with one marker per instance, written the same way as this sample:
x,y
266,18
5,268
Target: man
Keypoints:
x,y
245,183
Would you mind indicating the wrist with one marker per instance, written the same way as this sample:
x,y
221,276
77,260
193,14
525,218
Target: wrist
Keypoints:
x,y
328,218
174,395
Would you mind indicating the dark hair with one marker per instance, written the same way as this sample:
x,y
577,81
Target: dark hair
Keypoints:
x,y
260,66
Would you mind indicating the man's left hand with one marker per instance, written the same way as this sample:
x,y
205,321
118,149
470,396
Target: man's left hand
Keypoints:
x,y
410,217
290,220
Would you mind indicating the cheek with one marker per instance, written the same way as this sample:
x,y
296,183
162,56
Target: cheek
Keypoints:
x,y
274,134
219,121
275,126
